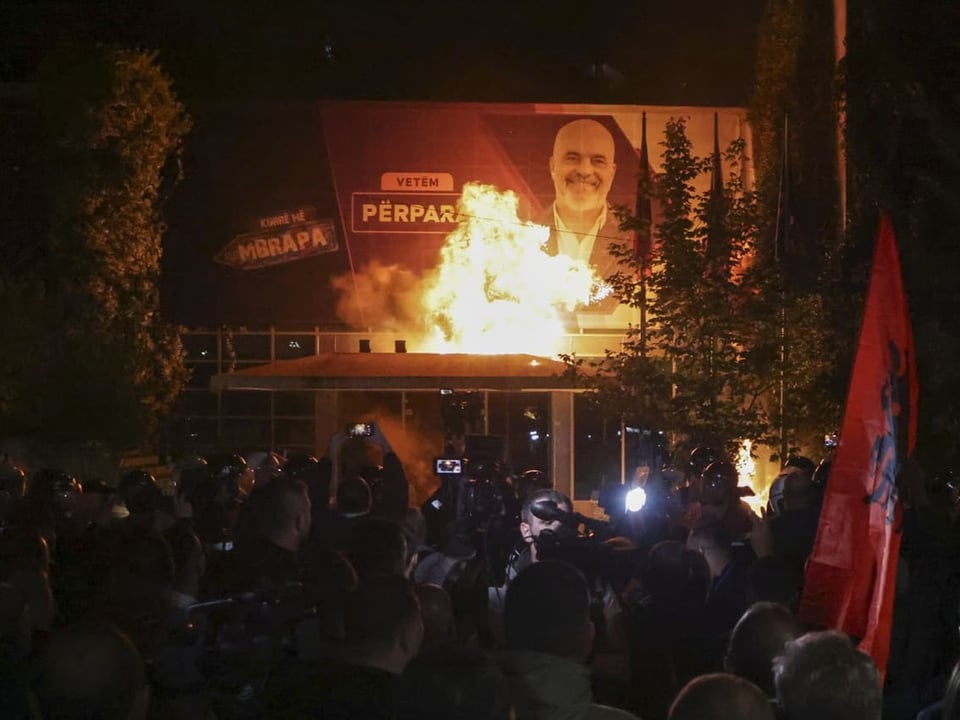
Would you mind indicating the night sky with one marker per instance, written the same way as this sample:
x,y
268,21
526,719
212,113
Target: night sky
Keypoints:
x,y
655,52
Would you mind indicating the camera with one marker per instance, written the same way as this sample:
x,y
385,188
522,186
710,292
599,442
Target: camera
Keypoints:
x,y
360,429
448,466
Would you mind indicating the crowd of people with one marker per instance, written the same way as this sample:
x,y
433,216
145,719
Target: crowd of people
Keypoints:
x,y
269,587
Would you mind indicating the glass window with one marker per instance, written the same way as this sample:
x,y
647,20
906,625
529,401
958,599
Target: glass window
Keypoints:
x,y
246,402
247,346
298,403
195,434
288,347
294,433
197,402
246,434
200,374
200,346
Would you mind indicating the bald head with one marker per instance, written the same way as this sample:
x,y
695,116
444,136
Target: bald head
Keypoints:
x,y
757,638
582,167
721,697
91,671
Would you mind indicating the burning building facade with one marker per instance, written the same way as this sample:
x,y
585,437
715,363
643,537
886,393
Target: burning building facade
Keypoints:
x,y
301,229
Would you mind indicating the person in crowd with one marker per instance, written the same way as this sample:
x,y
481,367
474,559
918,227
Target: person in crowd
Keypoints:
x,y
729,593
25,565
822,675
439,623
269,557
139,593
531,525
384,632
549,638
216,492
91,672
948,706
353,502
757,638
50,507
464,573
453,683
377,547
13,486
189,564
530,528
721,500
794,528
664,622
140,493
369,455
16,643
720,696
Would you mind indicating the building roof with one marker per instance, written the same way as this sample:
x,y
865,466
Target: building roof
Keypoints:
x,y
401,371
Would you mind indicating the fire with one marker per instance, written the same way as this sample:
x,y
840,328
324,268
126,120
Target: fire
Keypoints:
x,y
496,290
747,474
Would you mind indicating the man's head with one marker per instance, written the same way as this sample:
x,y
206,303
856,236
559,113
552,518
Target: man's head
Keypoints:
x,y
721,697
286,514
453,682
757,638
383,623
530,525
377,547
548,610
582,167
823,675
91,671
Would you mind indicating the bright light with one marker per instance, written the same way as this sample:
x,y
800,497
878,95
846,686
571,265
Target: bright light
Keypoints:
x,y
534,436
496,290
636,499
747,477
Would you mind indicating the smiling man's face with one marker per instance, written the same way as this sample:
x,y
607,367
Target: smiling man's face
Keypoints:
x,y
582,167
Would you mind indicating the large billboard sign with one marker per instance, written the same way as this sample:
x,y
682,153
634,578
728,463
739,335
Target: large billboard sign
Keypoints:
x,y
361,200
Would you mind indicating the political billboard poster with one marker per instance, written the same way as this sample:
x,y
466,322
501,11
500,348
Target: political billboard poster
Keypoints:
x,y
343,214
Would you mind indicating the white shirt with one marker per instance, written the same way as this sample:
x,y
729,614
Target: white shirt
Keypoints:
x,y
569,244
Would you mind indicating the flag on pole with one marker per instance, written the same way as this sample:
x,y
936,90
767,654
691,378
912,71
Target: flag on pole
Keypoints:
x,y
783,242
643,236
851,573
717,245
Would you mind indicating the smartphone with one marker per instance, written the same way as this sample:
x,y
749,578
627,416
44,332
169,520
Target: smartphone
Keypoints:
x,y
360,429
448,466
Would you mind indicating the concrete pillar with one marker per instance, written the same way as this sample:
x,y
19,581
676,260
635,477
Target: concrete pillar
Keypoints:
x,y
561,421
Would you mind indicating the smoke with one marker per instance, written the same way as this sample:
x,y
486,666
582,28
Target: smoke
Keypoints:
x,y
386,297
415,446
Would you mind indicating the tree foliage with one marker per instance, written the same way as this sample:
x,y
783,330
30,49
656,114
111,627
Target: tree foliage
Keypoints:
x,y
686,371
107,366
727,353
903,145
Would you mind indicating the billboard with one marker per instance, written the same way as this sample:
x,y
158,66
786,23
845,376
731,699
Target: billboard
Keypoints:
x,y
337,214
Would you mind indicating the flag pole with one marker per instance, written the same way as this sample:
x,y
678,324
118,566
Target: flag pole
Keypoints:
x,y
779,246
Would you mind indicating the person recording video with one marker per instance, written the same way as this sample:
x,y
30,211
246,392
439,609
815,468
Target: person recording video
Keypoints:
x,y
362,449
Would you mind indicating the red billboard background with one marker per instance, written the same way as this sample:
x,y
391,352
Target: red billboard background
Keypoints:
x,y
385,175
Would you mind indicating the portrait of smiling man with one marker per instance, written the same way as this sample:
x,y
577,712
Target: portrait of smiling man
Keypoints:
x,y
582,224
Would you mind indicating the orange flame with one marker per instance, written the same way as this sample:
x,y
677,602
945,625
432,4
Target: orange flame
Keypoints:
x,y
747,473
496,290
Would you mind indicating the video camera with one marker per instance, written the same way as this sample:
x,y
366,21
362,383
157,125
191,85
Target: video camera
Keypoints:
x,y
588,549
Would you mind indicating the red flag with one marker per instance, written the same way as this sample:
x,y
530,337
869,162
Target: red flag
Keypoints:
x,y
851,573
